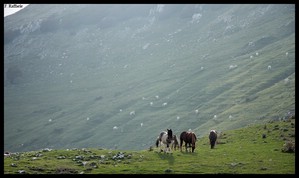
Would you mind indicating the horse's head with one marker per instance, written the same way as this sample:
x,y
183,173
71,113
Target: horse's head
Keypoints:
x,y
169,133
214,131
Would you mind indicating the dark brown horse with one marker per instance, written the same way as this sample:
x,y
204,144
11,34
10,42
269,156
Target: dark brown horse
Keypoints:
x,y
213,138
189,138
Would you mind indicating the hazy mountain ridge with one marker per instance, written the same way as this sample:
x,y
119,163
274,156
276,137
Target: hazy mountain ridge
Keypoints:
x,y
87,77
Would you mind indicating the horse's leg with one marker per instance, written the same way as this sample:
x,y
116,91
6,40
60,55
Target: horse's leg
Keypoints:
x,y
186,146
173,146
161,146
181,144
166,148
170,147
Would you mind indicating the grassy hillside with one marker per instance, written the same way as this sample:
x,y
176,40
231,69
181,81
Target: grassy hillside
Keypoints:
x,y
84,72
240,151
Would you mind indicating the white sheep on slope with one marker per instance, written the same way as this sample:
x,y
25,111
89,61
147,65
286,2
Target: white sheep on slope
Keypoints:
x,y
269,67
232,67
132,113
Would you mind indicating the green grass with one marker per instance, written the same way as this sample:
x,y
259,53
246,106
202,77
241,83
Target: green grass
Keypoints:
x,y
240,151
95,72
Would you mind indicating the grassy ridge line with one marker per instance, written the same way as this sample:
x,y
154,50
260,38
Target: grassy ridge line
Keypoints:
x,y
240,151
114,65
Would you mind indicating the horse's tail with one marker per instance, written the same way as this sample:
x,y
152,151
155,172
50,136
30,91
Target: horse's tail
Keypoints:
x,y
193,141
194,138
177,142
157,142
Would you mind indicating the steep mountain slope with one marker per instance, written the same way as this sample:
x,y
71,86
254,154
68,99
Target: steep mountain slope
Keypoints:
x,y
114,76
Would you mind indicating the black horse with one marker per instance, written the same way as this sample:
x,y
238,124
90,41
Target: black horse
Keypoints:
x,y
165,139
213,138
189,138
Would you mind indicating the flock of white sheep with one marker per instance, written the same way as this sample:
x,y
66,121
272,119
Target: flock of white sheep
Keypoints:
x,y
132,113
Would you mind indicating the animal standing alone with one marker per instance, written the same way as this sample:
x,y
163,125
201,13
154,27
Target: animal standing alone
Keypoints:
x,y
213,138
165,139
189,138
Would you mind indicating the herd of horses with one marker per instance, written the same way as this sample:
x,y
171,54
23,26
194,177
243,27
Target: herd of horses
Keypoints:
x,y
167,140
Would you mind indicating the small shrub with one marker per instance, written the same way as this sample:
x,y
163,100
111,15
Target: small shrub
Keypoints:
x,y
264,136
288,147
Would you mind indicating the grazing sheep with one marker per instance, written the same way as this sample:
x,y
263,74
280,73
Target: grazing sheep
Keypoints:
x,y
164,104
269,67
232,67
132,113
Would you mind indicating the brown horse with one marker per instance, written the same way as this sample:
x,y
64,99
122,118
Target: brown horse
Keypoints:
x,y
189,138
